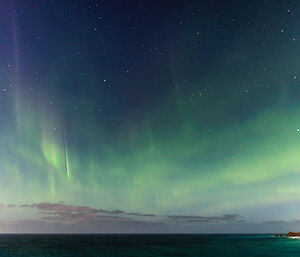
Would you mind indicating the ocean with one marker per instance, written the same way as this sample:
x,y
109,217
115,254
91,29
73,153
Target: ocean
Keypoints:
x,y
147,245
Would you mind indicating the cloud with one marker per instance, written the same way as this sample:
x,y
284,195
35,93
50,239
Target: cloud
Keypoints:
x,y
25,206
81,214
61,207
203,219
72,213
59,217
81,217
141,215
62,211
281,222
64,218
10,206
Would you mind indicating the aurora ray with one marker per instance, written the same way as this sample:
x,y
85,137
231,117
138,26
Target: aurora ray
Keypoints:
x,y
67,157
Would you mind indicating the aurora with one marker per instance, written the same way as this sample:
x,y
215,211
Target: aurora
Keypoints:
x,y
156,117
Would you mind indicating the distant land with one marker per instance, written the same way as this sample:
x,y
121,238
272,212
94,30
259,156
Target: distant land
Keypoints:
x,y
290,234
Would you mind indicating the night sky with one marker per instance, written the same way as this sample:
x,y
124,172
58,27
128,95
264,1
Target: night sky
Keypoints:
x,y
149,116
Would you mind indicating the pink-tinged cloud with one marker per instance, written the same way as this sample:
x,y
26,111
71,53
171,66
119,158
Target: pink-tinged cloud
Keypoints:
x,y
71,214
62,207
60,212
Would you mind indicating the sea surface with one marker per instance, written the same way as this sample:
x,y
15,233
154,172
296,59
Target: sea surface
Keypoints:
x,y
147,245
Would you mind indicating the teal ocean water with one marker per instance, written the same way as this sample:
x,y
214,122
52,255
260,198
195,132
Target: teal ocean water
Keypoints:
x,y
147,245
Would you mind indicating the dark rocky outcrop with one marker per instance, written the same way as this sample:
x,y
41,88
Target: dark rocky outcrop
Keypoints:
x,y
293,234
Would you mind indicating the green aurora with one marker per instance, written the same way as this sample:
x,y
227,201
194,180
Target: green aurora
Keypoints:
x,y
214,137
